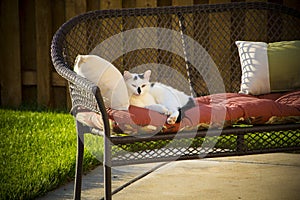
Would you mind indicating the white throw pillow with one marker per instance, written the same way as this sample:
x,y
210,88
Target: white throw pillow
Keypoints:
x,y
255,68
107,77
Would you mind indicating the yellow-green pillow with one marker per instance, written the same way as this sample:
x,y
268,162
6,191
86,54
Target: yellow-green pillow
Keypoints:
x,y
284,65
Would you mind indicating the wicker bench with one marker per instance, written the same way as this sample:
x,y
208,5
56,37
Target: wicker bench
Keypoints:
x,y
215,28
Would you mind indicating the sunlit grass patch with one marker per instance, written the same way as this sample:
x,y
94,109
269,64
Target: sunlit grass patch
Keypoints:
x,y
38,152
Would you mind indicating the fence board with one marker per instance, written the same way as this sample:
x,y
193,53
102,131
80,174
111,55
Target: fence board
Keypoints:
x,y
27,32
92,5
110,4
11,91
182,3
28,47
164,2
292,3
70,9
60,93
43,41
58,14
145,3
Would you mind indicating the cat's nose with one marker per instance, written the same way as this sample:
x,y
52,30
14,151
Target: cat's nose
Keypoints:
x,y
139,90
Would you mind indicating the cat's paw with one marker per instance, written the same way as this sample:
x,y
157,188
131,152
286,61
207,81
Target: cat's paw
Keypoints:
x,y
172,119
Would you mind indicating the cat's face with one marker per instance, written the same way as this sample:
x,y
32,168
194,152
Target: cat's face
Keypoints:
x,y
137,84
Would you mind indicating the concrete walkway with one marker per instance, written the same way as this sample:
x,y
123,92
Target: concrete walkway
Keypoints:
x,y
259,177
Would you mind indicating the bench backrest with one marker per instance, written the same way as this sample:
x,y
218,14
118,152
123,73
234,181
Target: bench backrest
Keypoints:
x,y
192,40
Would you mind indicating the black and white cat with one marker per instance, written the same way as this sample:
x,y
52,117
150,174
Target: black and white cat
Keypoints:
x,y
156,96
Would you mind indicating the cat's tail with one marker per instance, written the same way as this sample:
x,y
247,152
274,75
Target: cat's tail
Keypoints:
x,y
191,103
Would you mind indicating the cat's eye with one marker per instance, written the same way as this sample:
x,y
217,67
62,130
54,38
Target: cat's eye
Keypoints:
x,y
133,85
143,85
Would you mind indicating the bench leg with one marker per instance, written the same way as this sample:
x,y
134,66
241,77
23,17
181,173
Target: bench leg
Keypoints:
x,y
107,169
79,160
107,180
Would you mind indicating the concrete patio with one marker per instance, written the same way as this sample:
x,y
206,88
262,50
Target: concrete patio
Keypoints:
x,y
266,177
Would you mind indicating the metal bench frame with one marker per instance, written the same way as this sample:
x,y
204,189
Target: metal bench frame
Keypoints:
x,y
215,27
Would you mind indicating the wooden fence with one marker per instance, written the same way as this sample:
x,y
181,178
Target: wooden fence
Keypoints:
x,y
27,26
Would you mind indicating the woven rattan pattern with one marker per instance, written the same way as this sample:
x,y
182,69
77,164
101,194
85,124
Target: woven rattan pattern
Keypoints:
x,y
215,27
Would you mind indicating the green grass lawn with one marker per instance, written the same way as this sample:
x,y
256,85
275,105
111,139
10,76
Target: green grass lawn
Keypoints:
x,y
38,152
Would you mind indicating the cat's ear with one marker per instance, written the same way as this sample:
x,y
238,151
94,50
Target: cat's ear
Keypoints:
x,y
147,75
127,75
